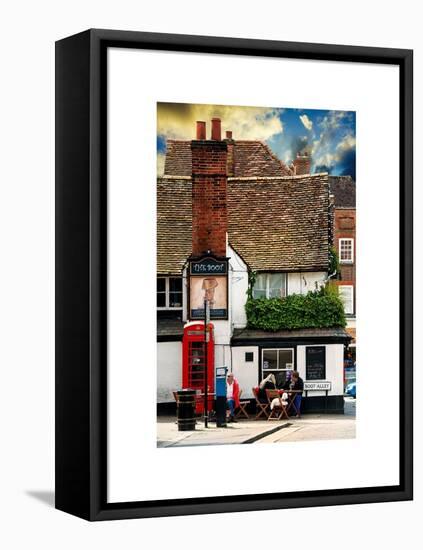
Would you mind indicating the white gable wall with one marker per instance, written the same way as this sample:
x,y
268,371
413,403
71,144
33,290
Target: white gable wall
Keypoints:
x,y
301,283
238,286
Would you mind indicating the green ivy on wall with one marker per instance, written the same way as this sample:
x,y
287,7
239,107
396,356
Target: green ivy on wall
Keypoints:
x,y
317,309
333,261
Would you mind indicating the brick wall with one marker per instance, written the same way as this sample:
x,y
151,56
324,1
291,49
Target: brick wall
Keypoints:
x,y
230,162
209,197
302,165
344,227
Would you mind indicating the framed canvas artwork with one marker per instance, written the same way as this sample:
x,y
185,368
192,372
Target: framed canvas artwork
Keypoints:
x,y
233,274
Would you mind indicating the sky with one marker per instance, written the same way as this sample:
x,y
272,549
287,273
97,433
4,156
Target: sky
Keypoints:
x,y
328,136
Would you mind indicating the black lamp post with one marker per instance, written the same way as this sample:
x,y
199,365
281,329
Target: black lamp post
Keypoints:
x,y
206,341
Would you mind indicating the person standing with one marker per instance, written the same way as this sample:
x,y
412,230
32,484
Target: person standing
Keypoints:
x,y
297,383
232,396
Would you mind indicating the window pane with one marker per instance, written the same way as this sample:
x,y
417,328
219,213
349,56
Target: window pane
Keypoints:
x,y
277,285
270,359
260,282
161,284
175,299
346,295
286,359
259,293
346,250
259,289
161,299
175,284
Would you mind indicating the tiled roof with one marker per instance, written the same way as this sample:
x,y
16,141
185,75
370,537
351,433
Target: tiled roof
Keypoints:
x,y
255,158
278,224
174,227
343,188
251,158
178,158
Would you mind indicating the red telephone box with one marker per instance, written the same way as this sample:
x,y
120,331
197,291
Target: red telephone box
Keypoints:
x,y
193,362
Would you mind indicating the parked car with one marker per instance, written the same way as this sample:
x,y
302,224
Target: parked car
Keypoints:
x,y
351,389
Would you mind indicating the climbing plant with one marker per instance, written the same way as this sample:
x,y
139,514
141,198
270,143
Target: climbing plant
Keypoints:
x,y
320,308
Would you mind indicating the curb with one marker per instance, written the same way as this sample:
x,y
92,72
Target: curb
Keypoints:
x,y
266,433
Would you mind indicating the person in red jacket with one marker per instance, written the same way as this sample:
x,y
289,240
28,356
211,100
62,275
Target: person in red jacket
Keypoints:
x,y
232,396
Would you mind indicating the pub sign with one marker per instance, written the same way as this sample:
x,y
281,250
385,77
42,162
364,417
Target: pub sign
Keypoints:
x,y
208,280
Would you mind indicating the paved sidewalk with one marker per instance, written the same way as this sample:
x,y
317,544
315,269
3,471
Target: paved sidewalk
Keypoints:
x,y
240,432
310,427
316,428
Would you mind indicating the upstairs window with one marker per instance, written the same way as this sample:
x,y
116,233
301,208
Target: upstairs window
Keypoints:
x,y
346,293
270,285
346,251
169,292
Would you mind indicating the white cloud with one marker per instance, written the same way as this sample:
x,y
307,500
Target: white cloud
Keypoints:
x,y
328,158
307,123
348,142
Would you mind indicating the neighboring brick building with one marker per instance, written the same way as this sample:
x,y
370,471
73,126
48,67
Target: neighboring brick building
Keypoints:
x,y
343,190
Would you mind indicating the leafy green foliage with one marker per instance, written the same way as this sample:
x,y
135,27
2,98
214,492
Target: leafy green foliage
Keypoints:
x,y
333,260
252,276
317,309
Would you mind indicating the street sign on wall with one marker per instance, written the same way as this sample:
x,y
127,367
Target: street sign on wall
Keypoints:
x,y
310,386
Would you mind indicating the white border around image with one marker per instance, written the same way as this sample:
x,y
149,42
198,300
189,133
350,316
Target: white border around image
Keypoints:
x,y
137,470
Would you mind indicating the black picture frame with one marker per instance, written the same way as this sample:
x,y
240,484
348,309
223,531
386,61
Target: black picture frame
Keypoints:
x,y
81,274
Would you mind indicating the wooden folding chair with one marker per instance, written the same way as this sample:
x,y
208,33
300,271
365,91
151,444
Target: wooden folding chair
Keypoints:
x,y
241,409
279,408
261,408
291,401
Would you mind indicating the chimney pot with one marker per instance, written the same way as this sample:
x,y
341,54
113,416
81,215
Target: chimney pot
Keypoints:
x,y
201,129
228,134
216,133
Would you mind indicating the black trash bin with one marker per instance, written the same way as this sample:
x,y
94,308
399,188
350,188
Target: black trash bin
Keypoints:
x,y
186,410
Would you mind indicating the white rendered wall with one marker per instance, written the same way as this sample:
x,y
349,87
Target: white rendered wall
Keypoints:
x,y
245,372
238,289
334,367
169,370
301,283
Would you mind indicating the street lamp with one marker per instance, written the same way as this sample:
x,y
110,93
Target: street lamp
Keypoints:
x,y
206,341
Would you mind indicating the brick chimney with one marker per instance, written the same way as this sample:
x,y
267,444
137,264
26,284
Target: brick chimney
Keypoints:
x,y
302,164
201,129
230,142
209,188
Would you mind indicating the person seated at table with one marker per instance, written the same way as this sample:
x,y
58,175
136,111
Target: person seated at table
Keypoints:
x,y
268,383
288,382
297,384
232,396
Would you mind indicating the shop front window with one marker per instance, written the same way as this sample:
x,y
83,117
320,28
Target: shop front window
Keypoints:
x,y
278,362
